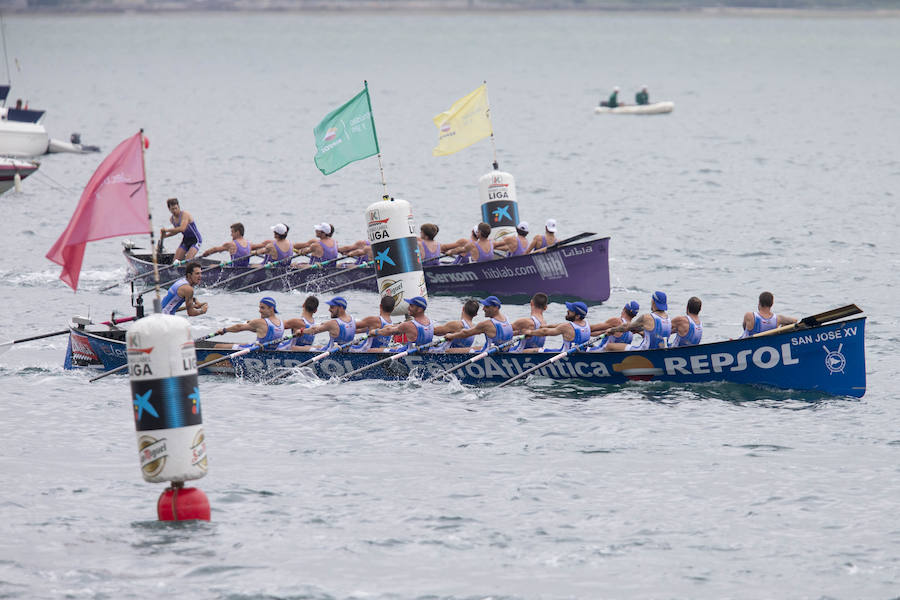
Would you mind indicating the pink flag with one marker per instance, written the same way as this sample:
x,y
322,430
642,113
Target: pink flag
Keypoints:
x,y
113,203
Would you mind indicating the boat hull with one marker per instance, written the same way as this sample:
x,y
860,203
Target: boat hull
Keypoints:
x,y
8,169
657,108
575,271
22,139
829,359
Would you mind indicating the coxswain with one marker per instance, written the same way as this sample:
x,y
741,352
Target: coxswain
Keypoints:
x,y
496,327
482,248
267,327
654,327
183,223
419,328
237,247
429,249
321,249
763,319
574,331
533,321
515,245
341,327
541,242
182,292
279,249
466,321
687,328
376,343
301,341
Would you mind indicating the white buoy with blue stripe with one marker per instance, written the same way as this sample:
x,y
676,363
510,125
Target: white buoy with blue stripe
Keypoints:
x,y
395,250
499,207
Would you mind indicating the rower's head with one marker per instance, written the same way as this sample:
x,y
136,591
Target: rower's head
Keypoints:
x,y
324,230
539,301
280,230
766,300
616,89
631,310
237,230
311,304
429,231
267,307
658,301
387,304
491,306
522,228
470,309
550,226
417,306
576,311
693,305
484,231
192,272
337,306
174,207
475,232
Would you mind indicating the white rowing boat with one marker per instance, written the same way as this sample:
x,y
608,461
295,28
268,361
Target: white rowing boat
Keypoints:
x,y
657,108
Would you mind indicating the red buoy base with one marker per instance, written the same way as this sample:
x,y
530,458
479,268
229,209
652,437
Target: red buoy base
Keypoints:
x,y
179,503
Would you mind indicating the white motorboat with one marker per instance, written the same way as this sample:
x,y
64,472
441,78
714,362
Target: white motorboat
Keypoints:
x,y
23,139
12,167
657,108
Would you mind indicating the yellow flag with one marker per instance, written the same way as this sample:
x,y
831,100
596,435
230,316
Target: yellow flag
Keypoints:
x,y
467,122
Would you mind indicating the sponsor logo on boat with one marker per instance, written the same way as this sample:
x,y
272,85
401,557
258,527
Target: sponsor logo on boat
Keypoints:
x,y
460,277
637,368
330,134
764,357
834,360
153,454
81,347
507,272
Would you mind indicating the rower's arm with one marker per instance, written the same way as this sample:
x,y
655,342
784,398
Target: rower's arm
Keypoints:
x,y
223,248
451,327
783,320
182,225
549,330
486,327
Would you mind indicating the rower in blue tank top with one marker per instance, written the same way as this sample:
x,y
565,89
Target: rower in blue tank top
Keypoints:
x,y
419,328
687,328
535,320
182,292
655,327
341,328
574,331
373,323
268,327
763,319
629,312
496,327
459,345
298,326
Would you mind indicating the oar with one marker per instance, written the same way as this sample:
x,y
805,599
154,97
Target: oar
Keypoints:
x,y
555,358
255,346
288,274
335,274
7,345
249,270
815,320
392,358
569,240
209,268
347,284
125,366
476,358
321,356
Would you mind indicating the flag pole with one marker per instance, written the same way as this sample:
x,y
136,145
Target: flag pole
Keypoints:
x,y
375,135
157,302
493,143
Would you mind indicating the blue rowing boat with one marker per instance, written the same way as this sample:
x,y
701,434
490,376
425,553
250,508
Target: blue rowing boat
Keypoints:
x,y
827,358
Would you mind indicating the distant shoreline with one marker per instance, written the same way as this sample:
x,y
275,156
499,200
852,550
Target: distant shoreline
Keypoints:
x,y
62,7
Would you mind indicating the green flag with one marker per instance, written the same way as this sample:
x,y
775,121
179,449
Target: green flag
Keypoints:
x,y
346,134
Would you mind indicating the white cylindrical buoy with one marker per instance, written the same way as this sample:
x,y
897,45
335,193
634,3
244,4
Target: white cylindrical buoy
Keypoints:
x,y
162,367
17,181
499,208
395,250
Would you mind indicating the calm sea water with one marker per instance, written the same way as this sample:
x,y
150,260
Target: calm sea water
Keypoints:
x,y
778,170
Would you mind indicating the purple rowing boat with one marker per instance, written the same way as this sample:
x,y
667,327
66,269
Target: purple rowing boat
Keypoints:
x,y
577,270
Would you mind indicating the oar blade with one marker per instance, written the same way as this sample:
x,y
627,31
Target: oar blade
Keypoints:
x,y
6,346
